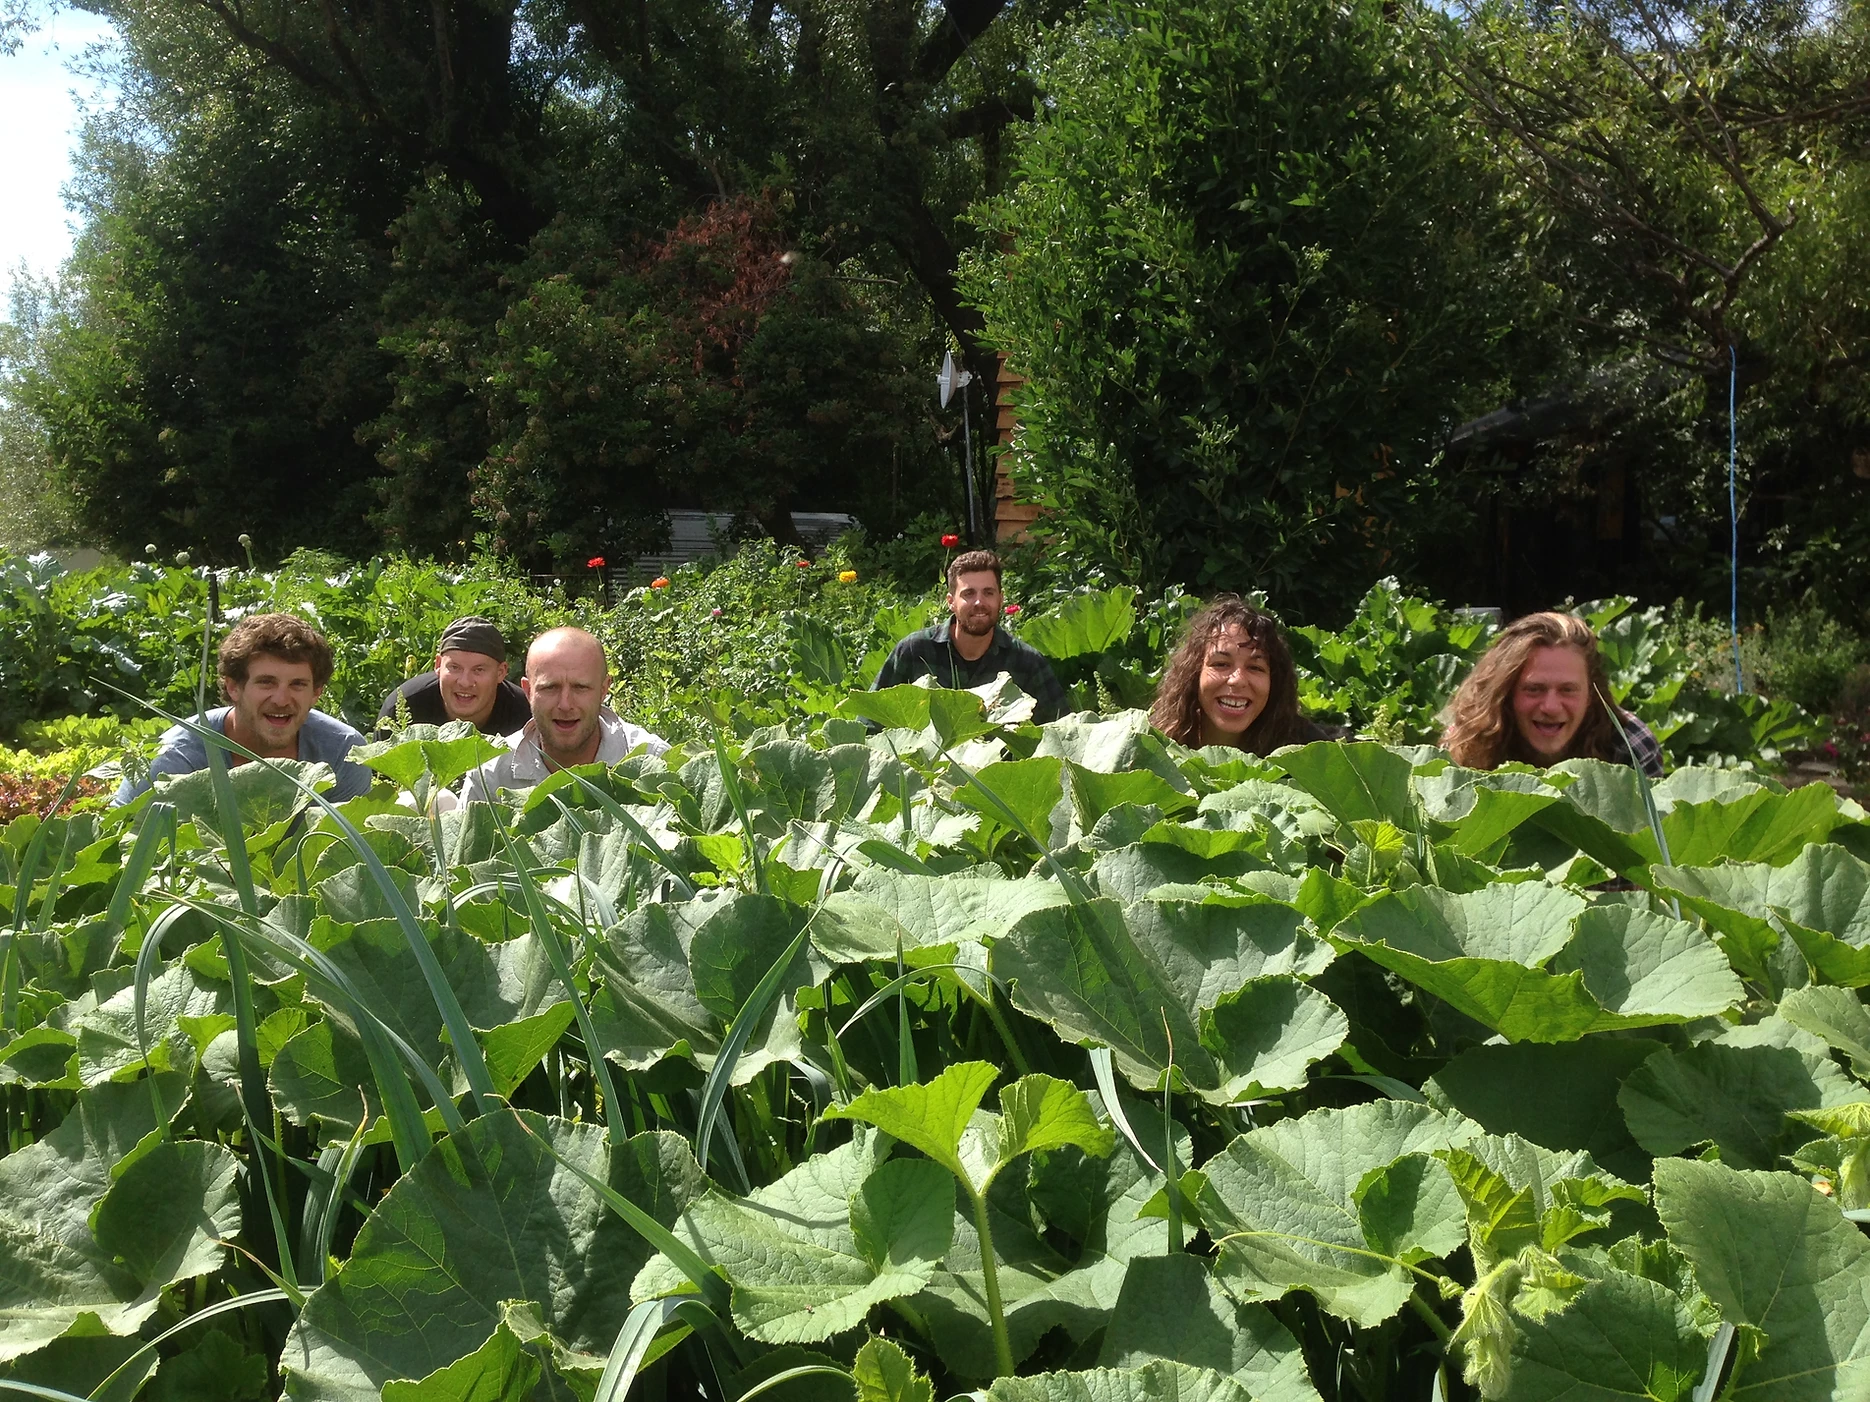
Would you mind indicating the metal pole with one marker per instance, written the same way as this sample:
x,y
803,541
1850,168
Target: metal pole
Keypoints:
x,y
967,434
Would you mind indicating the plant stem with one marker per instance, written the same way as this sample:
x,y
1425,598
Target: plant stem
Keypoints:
x,y
1005,1030
990,1276
1430,1318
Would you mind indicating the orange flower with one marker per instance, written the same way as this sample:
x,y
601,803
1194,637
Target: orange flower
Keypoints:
x,y
661,581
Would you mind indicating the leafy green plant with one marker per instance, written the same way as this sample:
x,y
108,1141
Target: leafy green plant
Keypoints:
x,y
1331,1075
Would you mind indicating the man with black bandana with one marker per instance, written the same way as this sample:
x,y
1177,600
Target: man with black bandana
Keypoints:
x,y
467,683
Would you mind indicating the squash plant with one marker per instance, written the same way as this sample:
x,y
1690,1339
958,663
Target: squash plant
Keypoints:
x,y
915,1051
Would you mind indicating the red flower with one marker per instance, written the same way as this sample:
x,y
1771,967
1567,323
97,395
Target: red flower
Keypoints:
x,y
596,562
805,564
1012,608
948,542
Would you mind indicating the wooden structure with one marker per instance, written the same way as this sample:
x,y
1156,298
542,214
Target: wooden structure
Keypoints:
x,y
1012,517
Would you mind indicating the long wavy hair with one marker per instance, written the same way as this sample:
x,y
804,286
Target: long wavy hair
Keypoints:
x,y
1478,727
1177,710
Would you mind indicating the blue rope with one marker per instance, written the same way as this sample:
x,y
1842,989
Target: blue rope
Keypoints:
x,y
1733,511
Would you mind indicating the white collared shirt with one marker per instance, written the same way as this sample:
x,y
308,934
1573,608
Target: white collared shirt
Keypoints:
x,y
525,763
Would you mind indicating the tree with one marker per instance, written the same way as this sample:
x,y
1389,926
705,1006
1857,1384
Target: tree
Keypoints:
x,y
1689,183
1253,277
340,207
722,368
204,370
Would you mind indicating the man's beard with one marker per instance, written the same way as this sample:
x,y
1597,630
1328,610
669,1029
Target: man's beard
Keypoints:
x,y
976,627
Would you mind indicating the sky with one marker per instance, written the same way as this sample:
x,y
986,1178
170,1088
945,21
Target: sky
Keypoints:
x,y
39,119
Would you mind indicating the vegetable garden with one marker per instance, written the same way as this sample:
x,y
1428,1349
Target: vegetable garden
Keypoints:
x,y
912,1050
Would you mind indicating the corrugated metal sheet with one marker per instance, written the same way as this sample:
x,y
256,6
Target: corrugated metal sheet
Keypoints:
x,y
695,535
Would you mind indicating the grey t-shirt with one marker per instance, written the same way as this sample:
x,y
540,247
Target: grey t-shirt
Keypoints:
x,y
322,738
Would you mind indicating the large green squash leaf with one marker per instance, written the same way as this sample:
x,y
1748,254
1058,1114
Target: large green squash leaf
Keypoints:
x,y
675,975
1821,898
1575,1106
810,1255
1776,1255
952,715
884,1373
444,752
1483,809
1116,744
1622,1338
1153,981
1090,622
1287,1206
1172,1308
887,910
177,1000
54,1269
1707,816
1356,782
1094,1201
490,1215
1532,962
1836,1016
1734,1093
1153,1382
500,1370
507,990
1519,1194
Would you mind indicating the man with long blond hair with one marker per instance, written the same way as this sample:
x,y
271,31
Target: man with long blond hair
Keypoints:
x,y
1540,695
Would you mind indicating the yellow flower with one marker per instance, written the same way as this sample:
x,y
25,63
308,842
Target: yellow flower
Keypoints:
x,y
847,576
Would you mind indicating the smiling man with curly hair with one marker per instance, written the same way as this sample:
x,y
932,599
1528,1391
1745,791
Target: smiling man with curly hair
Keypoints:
x,y
273,667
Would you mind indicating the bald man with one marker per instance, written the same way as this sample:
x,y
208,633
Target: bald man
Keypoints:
x,y
566,681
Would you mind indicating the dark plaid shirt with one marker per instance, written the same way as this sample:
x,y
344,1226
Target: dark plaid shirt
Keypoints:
x,y
1643,742
930,653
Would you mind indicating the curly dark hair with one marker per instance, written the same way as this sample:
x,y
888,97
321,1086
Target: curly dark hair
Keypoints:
x,y
283,635
1480,732
1177,710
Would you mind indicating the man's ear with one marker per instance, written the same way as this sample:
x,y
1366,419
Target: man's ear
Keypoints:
x,y
230,690
525,685
318,691
501,675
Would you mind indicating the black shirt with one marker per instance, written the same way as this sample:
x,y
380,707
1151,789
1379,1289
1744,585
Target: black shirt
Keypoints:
x,y
511,709
930,653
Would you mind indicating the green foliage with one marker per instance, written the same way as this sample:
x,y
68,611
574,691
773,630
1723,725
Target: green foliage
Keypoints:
x,y
578,271
1249,282
851,944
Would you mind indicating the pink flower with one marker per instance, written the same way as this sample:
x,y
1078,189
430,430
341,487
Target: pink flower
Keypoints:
x,y
714,613
1012,609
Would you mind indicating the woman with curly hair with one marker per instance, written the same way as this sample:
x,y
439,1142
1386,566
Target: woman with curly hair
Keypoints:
x,y
1540,695
1232,682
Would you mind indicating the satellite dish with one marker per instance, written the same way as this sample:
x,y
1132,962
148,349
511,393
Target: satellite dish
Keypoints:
x,y
952,378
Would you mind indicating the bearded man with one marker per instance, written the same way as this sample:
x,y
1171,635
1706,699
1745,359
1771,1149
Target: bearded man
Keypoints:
x,y
273,669
567,682
971,648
